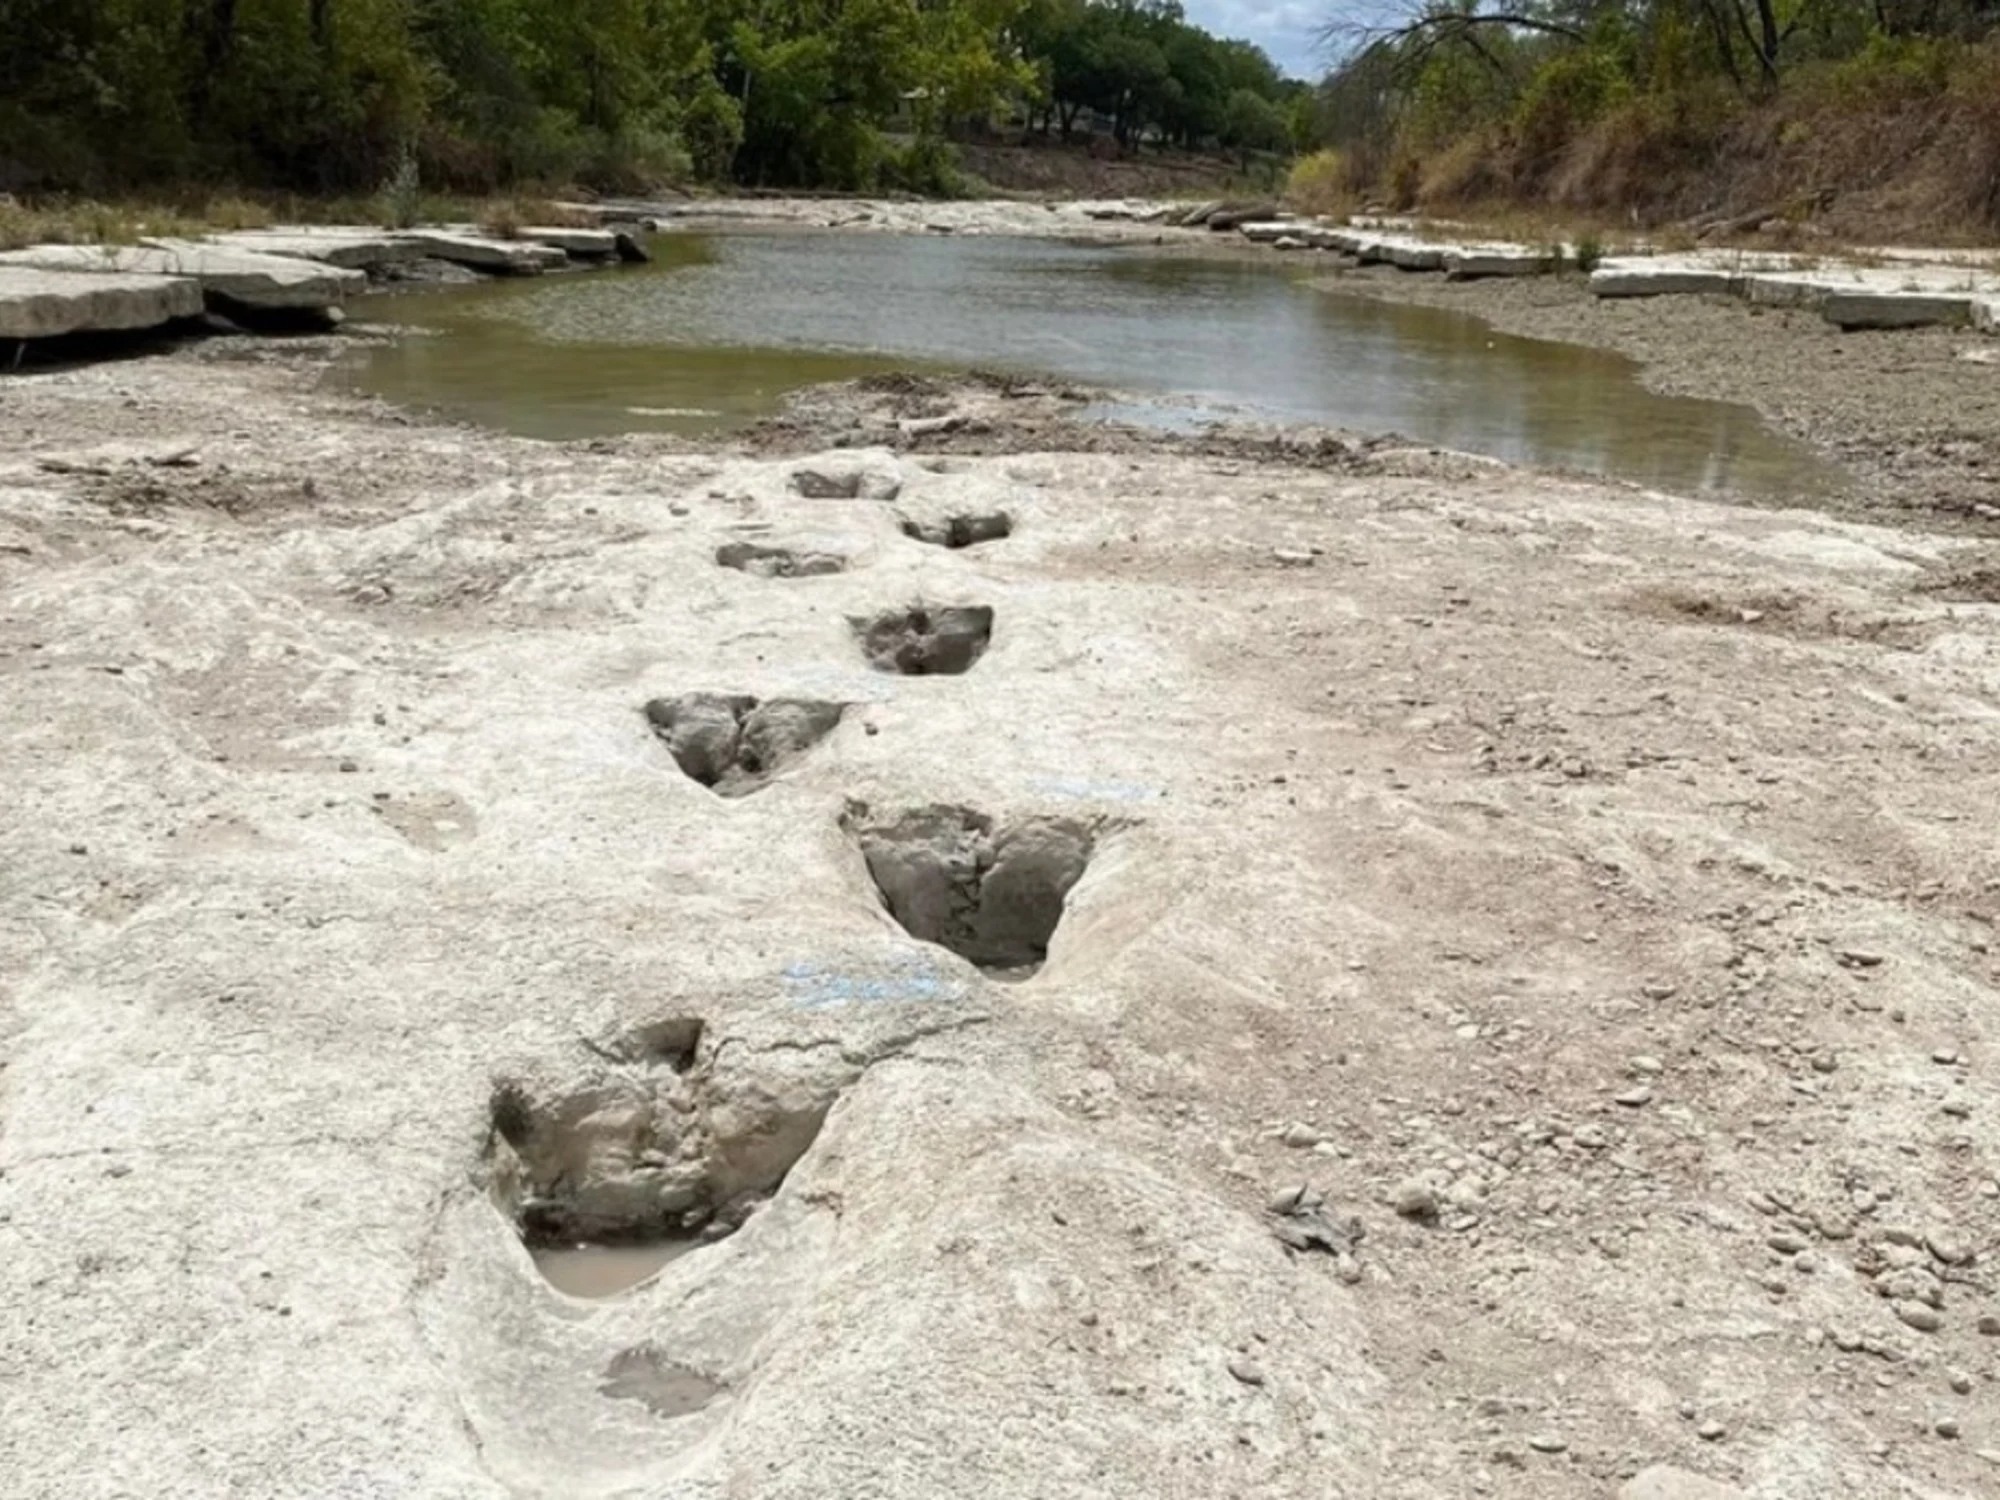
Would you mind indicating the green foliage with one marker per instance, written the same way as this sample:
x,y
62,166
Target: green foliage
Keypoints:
x,y
712,127
1565,95
1321,183
347,96
1139,70
1616,101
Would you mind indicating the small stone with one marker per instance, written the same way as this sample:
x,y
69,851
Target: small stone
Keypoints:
x,y
1989,1324
1960,1382
1291,557
1287,1201
349,766
1299,1136
1247,1370
1634,1098
1787,1243
1711,1431
1646,1067
1862,958
1948,1247
1918,1315
1547,1442
1945,1427
1417,1200
1946,1056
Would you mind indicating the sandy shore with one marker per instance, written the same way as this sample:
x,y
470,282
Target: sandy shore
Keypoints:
x,y
1522,1009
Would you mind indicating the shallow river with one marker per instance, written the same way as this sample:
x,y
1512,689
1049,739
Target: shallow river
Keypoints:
x,y
721,327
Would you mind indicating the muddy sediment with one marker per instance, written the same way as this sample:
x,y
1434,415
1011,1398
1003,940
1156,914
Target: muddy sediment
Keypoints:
x,y
1911,415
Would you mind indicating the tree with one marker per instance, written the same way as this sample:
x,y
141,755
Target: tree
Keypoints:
x,y
1252,123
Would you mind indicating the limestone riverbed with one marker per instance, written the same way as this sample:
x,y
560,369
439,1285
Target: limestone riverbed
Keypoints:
x,y
1383,973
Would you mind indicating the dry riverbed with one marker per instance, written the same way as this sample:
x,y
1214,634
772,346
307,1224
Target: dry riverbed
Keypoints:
x,y
1517,1006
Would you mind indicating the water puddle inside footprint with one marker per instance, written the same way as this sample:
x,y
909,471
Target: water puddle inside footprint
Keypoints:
x,y
606,1270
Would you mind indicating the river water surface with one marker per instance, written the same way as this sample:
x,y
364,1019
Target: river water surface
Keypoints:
x,y
721,327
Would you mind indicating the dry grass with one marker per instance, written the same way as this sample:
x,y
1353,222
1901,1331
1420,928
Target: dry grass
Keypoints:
x,y
508,218
1322,183
86,222
81,221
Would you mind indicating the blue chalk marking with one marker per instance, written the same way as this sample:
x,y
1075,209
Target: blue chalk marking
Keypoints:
x,y
912,980
1098,791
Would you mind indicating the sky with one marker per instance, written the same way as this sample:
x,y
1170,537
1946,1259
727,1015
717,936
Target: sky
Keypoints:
x,y
1287,29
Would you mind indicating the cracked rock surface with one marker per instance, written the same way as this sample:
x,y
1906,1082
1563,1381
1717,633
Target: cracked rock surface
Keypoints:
x,y
1531,1032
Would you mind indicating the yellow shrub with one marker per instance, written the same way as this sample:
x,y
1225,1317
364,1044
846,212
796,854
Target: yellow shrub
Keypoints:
x,y
1321,184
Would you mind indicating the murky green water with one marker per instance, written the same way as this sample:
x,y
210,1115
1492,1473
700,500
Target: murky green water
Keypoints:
x,y
721,327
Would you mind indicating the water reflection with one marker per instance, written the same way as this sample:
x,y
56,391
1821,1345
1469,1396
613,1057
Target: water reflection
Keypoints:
x,y
721,327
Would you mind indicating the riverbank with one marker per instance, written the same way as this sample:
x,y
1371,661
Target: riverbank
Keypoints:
x,y
1912,414
1517,1014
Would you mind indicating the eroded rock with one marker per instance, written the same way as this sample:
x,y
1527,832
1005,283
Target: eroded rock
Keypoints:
x,y
959,529
734,743
923,641
993,893
644,1151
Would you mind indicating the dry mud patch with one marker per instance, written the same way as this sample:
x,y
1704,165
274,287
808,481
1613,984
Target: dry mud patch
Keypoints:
x,y
1503,1019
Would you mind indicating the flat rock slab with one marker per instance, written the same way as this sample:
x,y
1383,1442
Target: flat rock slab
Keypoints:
x,y
1897,309
1265,231
1644,278
241,277
581,244
1472,262
354,249
38,304
485,253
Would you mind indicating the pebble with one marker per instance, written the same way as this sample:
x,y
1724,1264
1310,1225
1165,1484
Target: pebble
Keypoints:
x,y
1547,1442
348,765
1945,1427
1247,1370
1634,1098
1787,1243
1291,557
1417,1200
1299,1136
1646,1066
1945,1055
1923,1318
1989,1324
1711,1431
1288,1200
1961,1382
1947,1247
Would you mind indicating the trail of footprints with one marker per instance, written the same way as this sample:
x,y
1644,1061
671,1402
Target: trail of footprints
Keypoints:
x,y
660,1146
